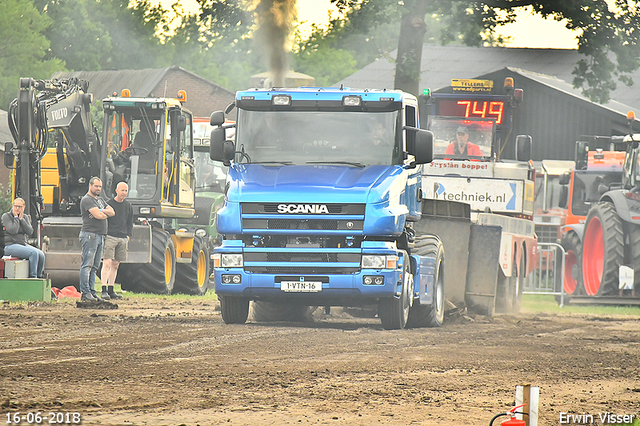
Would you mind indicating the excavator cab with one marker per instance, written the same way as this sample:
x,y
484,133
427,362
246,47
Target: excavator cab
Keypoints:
x,y
148,144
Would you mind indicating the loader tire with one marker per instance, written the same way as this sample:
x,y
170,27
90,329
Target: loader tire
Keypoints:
x,y
572,281
235,310
193,278
603,250
394,311
156,277
270,311
431,248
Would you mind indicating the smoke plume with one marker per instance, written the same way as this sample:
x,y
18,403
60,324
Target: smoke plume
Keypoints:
x,y
275,22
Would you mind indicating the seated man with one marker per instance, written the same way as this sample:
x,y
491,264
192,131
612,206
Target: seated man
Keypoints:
x,y
17,228
462,146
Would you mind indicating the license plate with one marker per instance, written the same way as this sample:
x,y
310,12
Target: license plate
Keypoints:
x,y
301,286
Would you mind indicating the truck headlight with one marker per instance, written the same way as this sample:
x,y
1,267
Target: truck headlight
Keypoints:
x,y
229,260
379,261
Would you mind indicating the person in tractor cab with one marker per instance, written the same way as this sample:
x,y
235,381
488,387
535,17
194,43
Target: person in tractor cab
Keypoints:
x,y
462,146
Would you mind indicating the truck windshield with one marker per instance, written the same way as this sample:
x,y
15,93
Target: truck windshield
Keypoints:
x,y
461,138
312,137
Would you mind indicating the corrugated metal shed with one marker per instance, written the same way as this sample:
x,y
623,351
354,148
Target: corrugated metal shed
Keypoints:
x,y
442,63
104,83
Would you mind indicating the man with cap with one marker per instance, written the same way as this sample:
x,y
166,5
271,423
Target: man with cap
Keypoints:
x,y
462,146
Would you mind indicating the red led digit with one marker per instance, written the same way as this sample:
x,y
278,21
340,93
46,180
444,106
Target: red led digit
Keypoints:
x,y
496,108
468,107
481,112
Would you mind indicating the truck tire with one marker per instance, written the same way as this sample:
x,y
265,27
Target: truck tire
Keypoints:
x,y
156,277
431,248
270,311
394,311
235,310
572,281
602,250
193,278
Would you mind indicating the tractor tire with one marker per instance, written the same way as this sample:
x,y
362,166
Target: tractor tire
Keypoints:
x,y
431,248
235,310
572,281
394,311
603,250
269,311
193,278
156,277
634,252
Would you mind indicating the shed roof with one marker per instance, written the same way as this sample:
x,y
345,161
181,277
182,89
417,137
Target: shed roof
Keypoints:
x,y
442,63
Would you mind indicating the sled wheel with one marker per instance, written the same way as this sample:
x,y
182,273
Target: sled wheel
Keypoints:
x,y
603,250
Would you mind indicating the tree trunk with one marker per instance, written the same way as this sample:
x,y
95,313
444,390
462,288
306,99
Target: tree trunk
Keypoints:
x,y
412,32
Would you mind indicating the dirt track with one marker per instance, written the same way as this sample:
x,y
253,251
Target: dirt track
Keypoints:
x,y
165,362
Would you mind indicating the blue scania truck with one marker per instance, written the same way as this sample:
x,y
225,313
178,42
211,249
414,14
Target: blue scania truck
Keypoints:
x,y
322,194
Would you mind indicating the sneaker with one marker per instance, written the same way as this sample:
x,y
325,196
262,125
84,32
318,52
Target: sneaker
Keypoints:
x,y
95,296
105,296
114,296
88,297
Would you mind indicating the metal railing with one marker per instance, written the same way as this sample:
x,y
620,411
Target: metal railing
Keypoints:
x,y
548,275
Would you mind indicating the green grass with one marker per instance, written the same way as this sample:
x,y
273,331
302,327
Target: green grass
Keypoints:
x,y
548,304
210,295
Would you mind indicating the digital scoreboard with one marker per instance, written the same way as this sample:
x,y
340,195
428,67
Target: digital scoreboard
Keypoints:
x,y
473,108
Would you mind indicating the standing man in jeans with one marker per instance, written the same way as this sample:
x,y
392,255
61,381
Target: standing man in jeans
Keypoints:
x,y
95,212
116,243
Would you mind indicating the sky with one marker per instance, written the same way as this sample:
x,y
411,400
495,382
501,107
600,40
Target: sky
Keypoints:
x,y
529,30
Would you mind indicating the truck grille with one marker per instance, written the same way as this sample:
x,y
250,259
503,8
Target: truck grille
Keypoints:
x,y
257,217
547,233
301,261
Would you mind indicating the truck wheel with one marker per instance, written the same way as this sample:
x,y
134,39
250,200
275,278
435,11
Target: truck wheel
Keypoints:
x,y
193,278
572,269
158,276
432,315
270,311
235,310
603,250
394,311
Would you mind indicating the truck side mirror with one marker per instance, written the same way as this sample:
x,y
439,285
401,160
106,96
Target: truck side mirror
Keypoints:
x,y
423,146
523,147
582,155
217,118
565,178
182,123
563,199
8,155
219,148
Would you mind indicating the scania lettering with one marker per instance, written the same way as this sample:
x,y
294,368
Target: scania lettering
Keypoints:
x,y
302,208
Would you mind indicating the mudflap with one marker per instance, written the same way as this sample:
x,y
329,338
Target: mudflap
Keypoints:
x,y
449,220
482,268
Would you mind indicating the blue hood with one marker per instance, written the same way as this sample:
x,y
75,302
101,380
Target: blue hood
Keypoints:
x,y
311,183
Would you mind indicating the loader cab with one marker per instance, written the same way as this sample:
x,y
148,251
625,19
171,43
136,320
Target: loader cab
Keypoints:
x,y
148,143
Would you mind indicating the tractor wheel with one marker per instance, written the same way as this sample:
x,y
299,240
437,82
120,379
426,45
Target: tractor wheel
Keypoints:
x,y
572,245
432,315
156,277
235,310
193,278
603,250
270,311
634,252
394,311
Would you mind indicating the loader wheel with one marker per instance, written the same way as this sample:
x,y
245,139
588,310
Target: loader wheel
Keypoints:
x,y
394,311
603,250
270,311
572,268
431,248
156,277
193,277
235,310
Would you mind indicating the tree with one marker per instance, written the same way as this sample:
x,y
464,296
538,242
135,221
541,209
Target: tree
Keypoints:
x,y
610,39
23,47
